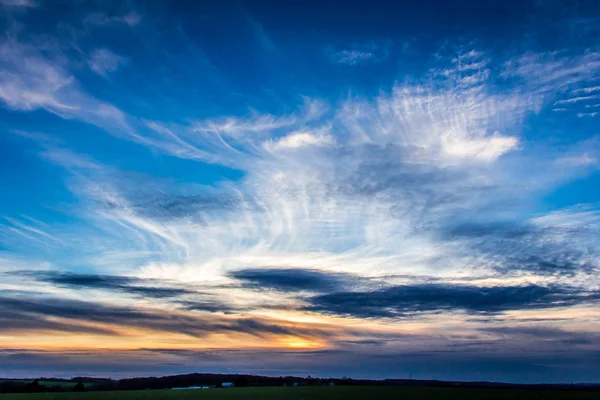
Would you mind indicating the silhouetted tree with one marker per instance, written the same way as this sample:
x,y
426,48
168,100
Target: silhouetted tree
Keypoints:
x,y
33,387
79,387
241,381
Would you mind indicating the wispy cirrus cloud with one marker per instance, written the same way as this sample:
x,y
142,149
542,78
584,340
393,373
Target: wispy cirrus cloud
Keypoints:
x,y
583,159
569,78
300,139
379,172
104,61
555,70
360,53
131,18
19,3
31,80
583,115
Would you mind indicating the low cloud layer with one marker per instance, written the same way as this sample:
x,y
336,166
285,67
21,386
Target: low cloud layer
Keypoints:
x,y
23,314
127,285
408,300
293,279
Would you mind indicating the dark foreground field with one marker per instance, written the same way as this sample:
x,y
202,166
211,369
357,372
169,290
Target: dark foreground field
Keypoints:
x,y
316,393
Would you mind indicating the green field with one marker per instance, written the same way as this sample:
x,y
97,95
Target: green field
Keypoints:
x,y
310,393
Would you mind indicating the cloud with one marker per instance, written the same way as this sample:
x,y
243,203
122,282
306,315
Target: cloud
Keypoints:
x,y
538,333
360,53
554,70
123,284
414,207
19,3
588,89
235,127
103,61
44,309
582,115
34,84
576,100
474,364
27,229
131,18
408,300
228,140
293,279
193,206
299,140
485,229
211,307
355,179
468,70
485,149
261,34
16,322
32,80
368,207
580,160
453,126
545,247
557,76
353,56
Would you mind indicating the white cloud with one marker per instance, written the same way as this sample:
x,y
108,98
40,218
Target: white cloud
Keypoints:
x,y
353,57
488,149
582,115
360,53
468,70
103,61
14,232
575,100
30,80
554,71
445,125
573,217
300,139
235,127
587,89
579,160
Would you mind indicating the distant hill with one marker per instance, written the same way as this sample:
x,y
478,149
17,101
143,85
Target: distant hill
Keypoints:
x,y
204,379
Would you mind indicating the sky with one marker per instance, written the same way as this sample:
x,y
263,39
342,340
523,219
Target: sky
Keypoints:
x,y
337,189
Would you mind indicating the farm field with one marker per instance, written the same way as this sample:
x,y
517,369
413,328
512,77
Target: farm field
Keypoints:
x,y
314,393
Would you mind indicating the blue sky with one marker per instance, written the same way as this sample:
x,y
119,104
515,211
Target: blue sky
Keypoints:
x,y
339,189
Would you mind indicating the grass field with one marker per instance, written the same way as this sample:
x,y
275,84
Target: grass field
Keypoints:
x,y
313,393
